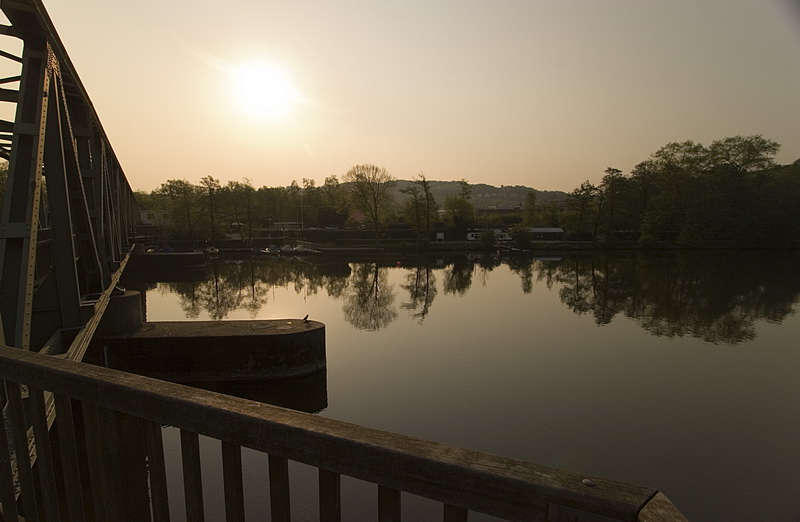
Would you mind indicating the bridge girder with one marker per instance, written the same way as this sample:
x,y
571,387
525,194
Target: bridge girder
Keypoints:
x,y
68,211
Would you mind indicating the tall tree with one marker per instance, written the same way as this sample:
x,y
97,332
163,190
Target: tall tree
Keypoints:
x,y
238,197
211,186
249,191
420,207
333,206
580,202
428,202
311,200
182,196
744,154
459,209
414,207
529,209
371,192
610,188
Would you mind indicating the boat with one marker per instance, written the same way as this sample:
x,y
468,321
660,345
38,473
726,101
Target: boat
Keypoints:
x,y
271,250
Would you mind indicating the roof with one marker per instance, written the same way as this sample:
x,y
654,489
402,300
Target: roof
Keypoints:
x,y
547,230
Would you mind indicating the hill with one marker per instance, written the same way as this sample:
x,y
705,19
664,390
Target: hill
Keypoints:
x,y
483,195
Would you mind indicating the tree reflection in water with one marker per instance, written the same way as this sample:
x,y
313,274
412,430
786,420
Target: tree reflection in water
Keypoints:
x,y
369,298
421,288
458,275
715,296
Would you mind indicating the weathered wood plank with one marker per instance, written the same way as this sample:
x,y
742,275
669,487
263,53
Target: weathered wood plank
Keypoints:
x,y
70,464
388,504
158,472
279,498
232,482
192,477
44,455
330,496
498,486
94,462
660,509
7,495
19,433
117,443
124,441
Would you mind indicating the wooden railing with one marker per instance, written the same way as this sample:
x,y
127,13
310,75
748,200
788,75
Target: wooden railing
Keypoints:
x,y
110,465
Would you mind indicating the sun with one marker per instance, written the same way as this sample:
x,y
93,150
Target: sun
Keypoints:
x,y
264,91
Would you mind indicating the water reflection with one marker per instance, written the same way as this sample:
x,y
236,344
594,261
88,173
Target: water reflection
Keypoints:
x,y
369,298
715,296
421,288
308,393
458,275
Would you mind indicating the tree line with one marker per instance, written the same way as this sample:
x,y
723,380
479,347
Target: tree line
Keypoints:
x,y
713,296
684,193
364,197
731,190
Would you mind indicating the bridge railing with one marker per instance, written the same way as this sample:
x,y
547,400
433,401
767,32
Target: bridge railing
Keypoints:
x,y
110,465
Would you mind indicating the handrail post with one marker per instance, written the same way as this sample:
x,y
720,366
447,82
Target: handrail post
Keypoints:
x,y
116,442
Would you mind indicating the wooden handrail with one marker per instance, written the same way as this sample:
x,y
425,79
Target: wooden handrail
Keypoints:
x,y
458,477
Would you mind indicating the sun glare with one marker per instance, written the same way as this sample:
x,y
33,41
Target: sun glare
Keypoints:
x,y
264,91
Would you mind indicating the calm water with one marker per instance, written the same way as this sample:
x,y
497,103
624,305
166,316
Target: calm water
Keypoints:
x,y
678,372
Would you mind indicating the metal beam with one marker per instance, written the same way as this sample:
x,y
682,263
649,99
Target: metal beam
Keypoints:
x,y
21,206
55,254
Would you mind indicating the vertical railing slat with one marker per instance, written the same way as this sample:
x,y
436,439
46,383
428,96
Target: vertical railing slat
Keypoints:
x,y
68,449
44,455
454,514
7,495
388,504
157,471
192,478
19,432
280,504
232,482
94,459
330,496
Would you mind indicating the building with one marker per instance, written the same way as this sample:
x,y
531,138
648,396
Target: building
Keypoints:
x,y
153,217
547,233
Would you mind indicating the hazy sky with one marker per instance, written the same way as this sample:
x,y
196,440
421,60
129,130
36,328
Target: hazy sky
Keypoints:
x,y
539,93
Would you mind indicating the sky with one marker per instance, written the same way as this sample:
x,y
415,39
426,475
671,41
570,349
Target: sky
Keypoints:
x,y
542,93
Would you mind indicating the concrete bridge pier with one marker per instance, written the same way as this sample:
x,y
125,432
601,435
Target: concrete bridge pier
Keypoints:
x,y
212,351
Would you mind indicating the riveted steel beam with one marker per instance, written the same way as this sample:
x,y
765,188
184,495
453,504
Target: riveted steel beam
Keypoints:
x,y
68,208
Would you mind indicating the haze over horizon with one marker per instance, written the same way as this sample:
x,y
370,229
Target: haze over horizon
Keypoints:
x,y
545,94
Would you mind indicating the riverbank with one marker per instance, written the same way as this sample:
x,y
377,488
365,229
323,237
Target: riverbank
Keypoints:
x,y
344,245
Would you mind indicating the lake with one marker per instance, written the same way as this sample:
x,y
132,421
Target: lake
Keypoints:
x,y
678,371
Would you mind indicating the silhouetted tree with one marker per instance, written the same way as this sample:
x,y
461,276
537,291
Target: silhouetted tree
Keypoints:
x,y
211,186
370,191
183,204
459,209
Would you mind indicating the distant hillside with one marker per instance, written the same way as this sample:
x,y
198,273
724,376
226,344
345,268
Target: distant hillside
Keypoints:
x,y
484,195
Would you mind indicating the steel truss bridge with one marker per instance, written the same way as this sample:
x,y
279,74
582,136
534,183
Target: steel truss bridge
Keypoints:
x,y
68,210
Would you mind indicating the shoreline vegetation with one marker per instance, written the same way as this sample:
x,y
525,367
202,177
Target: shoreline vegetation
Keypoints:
x,y
729,194
390,246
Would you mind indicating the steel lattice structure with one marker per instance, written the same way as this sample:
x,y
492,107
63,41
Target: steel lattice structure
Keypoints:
x,y
68,211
